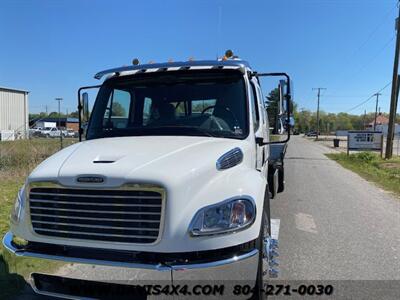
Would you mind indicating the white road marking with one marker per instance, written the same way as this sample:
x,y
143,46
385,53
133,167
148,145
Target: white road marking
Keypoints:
x,y
275,224
305,222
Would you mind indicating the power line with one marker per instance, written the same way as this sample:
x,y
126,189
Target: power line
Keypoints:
x,y
369,98
347,96
376,55
384,20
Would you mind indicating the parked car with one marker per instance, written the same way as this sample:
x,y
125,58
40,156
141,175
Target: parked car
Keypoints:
x,y
50,132
46,131
311,133
70,133
34,132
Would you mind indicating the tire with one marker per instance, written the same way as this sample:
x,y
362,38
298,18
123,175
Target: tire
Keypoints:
x,y
281,179
265,229
271,186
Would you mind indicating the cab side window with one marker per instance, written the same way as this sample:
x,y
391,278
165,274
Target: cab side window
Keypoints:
x,y
263,109
254,107
147,105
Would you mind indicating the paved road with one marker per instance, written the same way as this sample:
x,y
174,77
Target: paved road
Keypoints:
x,y
334,224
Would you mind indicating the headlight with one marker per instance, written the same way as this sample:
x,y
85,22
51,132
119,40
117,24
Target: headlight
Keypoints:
x,y
230,215
18,205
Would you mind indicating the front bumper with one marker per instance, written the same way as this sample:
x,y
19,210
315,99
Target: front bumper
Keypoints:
x,y
241,268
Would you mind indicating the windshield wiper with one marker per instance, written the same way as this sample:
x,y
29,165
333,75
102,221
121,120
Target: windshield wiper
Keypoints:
x,y
110,131
194,128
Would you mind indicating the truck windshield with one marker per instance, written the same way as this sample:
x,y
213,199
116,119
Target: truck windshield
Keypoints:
x,y
179,103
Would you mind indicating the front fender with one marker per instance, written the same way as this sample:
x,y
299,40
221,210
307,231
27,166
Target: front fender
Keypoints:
x,y
234,182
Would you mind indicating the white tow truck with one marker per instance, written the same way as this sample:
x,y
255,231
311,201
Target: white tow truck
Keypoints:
x,y
174,176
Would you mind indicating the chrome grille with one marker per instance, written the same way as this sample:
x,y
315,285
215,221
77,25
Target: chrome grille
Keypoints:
x,y
128,216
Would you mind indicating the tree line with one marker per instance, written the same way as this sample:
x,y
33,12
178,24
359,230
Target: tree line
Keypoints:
x,y
306,120
42,115
330,122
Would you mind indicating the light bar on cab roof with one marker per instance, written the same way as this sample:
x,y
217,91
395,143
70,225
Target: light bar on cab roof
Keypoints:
x,y
174,66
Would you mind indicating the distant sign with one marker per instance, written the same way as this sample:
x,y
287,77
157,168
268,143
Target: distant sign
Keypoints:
x,y
365,140
7,135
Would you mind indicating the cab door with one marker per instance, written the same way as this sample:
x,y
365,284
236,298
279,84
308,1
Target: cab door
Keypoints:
x,y
260,124
263,130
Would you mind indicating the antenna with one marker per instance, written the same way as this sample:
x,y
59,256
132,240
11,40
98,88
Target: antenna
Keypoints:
x,y
219,27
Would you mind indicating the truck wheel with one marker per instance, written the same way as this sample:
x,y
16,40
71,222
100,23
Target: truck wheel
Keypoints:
x,y
262,270
281,179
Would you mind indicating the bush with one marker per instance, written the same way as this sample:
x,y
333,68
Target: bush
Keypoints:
x,y
365,156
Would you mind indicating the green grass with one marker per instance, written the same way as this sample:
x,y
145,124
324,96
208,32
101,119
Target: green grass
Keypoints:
x,y
17,159
277,137
385,173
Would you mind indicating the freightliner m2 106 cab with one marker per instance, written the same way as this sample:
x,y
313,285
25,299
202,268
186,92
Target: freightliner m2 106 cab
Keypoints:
x,y
174,177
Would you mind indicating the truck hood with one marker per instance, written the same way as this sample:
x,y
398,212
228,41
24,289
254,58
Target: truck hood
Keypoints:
x,y
152,159
185,167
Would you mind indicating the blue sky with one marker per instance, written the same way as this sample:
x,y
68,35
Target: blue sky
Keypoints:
x,y
51,48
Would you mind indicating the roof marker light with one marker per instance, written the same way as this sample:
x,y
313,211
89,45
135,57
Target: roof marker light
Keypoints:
x,y
135,62
229,55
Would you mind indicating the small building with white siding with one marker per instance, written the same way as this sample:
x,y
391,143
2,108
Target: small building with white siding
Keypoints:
x,y
14,113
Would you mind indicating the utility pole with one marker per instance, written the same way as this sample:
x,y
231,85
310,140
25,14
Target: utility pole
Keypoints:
x,y
319,95
364,119
59,120
376,108
394,94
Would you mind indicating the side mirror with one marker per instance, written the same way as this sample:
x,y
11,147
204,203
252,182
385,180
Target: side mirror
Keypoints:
x,y
291,122
285,106
83,113
85,107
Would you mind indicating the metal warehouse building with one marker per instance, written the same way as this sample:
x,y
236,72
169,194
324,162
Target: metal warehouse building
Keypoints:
x,y
14,112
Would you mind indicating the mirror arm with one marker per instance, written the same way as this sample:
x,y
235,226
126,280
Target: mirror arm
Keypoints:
x,y
260,141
